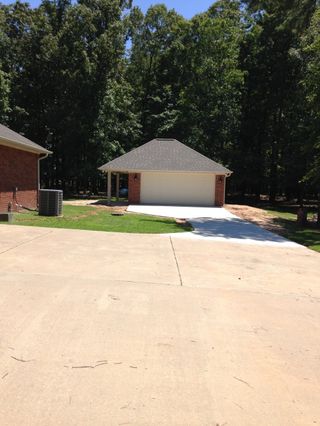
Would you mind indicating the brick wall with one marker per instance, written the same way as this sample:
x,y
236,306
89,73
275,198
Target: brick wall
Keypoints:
x,y
220,190
18,169
134,187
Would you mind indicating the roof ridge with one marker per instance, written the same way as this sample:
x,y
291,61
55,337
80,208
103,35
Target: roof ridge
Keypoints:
x,y
164,154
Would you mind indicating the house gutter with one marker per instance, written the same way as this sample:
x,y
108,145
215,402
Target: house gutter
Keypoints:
x,y
23,147
125,171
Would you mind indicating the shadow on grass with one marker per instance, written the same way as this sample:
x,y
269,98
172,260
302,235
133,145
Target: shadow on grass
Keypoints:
x,y
308,235
184,227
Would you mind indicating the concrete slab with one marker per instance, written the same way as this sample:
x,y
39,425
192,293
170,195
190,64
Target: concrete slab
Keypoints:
x,y
182,212
163,332
216,224
236,231
88,254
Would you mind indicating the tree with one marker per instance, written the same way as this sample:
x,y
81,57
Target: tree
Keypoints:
x,y
117,129
273,117
60,59
311,85
155,67
210,98
4,96
186,76
92,79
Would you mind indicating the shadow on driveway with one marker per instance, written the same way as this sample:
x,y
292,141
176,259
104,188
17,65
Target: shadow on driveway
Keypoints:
x,y
233,228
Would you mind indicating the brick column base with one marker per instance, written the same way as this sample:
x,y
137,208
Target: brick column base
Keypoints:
x,y
134,187
220,190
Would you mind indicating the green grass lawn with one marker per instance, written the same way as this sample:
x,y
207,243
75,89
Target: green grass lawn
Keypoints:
x,y
308,236
94,219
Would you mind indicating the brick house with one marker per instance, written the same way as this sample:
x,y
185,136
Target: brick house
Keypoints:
x,y
167,172
19,170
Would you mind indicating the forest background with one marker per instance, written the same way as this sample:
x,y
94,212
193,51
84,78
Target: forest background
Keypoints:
x,y
240,83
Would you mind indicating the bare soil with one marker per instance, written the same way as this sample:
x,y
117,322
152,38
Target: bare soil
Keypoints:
x,y
257,216
102,204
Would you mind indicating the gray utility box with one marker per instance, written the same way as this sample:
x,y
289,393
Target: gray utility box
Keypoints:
x,y
6,217
50,202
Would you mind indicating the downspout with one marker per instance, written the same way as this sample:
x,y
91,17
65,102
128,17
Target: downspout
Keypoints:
x,y
225,184
39,159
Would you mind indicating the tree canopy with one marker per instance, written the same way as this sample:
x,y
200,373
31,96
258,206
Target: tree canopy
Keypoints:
x,y
93,79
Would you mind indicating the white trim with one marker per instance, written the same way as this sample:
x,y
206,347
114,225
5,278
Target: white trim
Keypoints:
x,y
20,146
227,174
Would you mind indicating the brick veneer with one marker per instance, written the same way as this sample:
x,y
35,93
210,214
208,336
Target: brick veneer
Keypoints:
x,y
220,190
18,169
134,187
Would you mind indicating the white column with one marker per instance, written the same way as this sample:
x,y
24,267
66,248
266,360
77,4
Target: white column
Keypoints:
x,y
109,187
118,186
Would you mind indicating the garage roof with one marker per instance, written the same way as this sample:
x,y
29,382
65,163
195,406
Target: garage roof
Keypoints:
x,y
15,140
164,155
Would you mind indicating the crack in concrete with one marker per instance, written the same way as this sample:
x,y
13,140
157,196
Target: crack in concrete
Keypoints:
x,y
243,381
25,242
176,260
22,360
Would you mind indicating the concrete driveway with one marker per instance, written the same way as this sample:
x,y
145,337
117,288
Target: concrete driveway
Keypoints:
x,y
215,224
115,329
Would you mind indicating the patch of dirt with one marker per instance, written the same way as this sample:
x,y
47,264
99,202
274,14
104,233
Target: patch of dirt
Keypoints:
x,y
257,216
80,202
99,204
82,216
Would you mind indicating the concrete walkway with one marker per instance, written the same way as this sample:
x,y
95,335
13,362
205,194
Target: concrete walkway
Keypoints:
x,y
216,224
116,329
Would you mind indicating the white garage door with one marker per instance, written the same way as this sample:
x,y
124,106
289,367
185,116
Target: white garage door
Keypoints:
x,y
188,189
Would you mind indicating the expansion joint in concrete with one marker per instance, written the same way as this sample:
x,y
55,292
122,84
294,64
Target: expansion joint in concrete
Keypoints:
x,y
176,260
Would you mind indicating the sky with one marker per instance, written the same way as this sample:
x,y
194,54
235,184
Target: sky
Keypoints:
x,y
187,8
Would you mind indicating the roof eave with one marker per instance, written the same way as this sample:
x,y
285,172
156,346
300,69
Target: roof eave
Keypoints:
x,y
123,170
23,147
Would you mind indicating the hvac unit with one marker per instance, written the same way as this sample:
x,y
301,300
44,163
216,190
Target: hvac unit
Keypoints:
x,y
50,202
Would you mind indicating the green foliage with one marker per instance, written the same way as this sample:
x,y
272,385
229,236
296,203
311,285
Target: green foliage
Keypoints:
x,y
93,219
308,236
210,101
311,84
117,128
92,79
275,121
187,78
4,96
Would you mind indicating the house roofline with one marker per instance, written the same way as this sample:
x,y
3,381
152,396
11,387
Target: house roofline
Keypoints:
x,y
23,147
227,173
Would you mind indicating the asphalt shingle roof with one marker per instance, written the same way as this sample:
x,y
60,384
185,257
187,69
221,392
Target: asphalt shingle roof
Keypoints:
x,y
20,141
164,155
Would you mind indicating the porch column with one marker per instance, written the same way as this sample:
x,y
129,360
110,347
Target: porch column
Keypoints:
x,y
118,186
109,187
220,190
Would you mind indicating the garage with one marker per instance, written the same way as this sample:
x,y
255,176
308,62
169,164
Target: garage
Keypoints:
x,y
168,172
183,189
